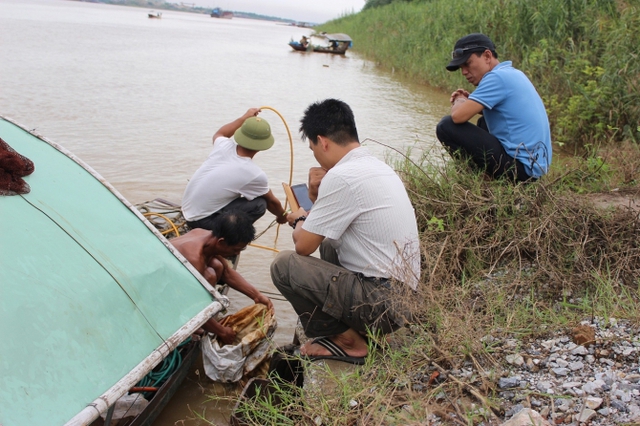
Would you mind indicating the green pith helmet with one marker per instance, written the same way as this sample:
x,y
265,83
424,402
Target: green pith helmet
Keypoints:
x,y
254,134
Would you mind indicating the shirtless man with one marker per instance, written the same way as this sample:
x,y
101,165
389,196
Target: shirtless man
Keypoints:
x,y
206,251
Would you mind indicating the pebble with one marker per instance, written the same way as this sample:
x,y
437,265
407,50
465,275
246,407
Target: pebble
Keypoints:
x,y
573,384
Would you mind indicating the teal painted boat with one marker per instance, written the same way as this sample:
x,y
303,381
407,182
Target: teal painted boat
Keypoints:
x,y
92,296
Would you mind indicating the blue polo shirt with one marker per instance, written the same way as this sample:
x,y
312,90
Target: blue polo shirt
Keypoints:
x,y
515,114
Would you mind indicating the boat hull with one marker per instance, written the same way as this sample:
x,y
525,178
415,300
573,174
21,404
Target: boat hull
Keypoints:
x,y
320,49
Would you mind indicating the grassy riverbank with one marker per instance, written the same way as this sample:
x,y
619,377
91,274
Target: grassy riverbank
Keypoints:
x,y
502,265
580,54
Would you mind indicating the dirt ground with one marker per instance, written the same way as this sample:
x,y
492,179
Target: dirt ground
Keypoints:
x,y
618,198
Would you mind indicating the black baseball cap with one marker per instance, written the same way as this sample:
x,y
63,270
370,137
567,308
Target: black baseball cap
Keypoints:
x,y
472,43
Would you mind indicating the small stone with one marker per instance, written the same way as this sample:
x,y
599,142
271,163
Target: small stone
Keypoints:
x,y
624,396
515,359
574,366
526,417
560,371
513,410
579,350
569,385
620,406
593,403
545,412
548,344
353,403
604,411
510,382
585,415
545,386
593,387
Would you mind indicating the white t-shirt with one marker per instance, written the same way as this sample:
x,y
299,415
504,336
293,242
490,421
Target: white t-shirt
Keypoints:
x,y
223,177
365,212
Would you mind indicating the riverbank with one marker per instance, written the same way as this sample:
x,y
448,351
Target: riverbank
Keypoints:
x,y
509,274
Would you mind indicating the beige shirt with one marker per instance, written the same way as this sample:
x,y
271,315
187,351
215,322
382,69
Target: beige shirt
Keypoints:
x,y
365,212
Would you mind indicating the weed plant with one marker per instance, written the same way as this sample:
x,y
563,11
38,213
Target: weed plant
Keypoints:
x,y
581,55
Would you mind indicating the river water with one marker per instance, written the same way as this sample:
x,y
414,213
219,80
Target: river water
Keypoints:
x,y
138,99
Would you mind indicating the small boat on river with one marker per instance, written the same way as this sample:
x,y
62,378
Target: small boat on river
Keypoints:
x,y
155,15
94,297
219,13
324,43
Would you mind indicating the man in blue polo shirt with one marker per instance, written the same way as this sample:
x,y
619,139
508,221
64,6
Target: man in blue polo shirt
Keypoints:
x,y
512,138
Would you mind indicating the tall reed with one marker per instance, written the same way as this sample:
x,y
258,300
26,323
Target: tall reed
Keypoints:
x,y
581,55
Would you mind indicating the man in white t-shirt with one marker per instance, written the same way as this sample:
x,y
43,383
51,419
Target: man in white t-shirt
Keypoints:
x,y
365,226
229,179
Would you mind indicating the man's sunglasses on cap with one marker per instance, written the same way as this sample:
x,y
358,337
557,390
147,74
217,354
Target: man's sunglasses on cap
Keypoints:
x,y
461,51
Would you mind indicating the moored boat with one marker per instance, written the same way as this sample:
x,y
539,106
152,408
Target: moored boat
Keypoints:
x,y
219,13
93,296
325,43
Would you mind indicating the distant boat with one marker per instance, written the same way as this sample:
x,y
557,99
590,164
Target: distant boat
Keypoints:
x,y
155,15
219,13
324,43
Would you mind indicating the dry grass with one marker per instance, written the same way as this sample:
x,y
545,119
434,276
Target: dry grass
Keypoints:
x,y
499,262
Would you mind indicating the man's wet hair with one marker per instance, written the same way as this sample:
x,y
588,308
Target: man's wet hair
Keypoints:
x,y
331,118
234,226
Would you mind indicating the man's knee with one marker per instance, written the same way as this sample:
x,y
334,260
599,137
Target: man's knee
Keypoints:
x,y
280,268
444,128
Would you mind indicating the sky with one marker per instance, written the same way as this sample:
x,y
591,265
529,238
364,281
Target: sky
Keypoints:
x,y
316,11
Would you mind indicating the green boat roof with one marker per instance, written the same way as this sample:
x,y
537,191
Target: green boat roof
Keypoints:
x,y
91,295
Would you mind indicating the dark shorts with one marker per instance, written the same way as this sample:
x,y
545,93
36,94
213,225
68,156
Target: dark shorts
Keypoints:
x,y
255,209
330,299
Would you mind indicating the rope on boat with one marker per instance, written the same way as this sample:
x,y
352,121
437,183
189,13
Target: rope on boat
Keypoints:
x,y
174,228
156,377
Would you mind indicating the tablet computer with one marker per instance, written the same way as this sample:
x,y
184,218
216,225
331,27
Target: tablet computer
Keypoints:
x,y
301,192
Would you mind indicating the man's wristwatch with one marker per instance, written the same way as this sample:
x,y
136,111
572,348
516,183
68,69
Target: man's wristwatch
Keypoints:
x,y
295,222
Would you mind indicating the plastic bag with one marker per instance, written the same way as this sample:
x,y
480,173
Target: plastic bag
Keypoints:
x,y
254,327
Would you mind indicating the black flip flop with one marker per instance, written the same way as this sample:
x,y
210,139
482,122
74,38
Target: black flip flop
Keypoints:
x,y
337,353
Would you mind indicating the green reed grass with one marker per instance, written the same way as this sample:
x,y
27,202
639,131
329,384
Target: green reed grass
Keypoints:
x,y
580,54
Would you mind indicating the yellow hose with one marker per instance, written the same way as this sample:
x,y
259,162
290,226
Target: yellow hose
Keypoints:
x,y
290,166
264,247
175,229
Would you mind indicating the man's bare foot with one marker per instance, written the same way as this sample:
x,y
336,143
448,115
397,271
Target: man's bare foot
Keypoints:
x,y
351,342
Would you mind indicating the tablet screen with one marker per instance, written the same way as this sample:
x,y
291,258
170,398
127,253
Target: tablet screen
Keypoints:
x,y
301,191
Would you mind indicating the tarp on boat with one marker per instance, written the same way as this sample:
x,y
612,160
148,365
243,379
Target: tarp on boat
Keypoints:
x,y
337,37
91,295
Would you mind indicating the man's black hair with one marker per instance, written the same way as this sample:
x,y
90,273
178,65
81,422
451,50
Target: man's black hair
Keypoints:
x,y
234,226
331,118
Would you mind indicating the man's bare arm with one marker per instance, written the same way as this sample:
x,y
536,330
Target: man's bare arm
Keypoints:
x,y
275,207
230,128
463,109
236,281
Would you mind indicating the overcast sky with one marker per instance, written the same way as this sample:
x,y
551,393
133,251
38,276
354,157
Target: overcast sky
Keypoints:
x,y
316,11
